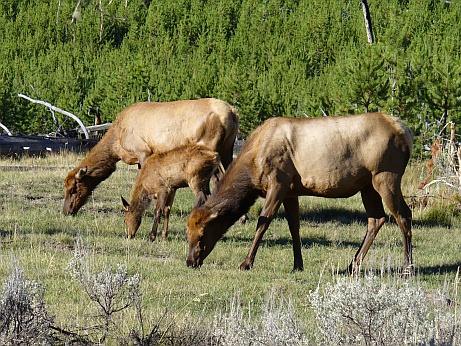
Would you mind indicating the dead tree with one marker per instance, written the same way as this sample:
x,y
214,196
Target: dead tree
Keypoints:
x,y
367,18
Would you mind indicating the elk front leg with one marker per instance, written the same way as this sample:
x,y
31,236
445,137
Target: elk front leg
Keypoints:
x,y
292,215
274,198
201,191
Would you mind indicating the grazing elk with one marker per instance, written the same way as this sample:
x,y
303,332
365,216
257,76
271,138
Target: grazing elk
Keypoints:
x,y
146,128
333,157
160,177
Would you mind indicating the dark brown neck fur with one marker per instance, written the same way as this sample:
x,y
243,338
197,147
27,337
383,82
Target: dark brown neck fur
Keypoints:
x,y
234,195
101,161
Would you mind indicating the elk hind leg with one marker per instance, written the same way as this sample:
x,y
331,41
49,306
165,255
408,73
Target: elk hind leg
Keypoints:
x,y
291,206
166,213
388,186
159,206
376,218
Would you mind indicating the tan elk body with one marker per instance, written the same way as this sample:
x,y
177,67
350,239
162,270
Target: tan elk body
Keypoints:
x,y
160,177
147,128
329,157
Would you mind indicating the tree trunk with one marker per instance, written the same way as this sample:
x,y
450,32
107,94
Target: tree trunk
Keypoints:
x,y
367,18
443,122
101,21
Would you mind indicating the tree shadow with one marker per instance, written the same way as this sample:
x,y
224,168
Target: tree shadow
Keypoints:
x,y
397,270
347,217
433,223
5,233
439,269
330,214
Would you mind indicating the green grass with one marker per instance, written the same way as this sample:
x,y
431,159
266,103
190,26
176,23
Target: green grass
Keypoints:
x,y
34,231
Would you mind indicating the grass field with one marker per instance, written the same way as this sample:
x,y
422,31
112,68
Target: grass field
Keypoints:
x,y
35,232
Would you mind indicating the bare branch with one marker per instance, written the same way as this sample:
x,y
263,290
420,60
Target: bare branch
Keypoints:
x,y
5,129
59,110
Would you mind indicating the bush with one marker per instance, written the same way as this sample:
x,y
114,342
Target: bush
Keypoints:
x,y
370,311
24,319
112,290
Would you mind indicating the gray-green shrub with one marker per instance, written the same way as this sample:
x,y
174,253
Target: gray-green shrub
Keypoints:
x,y
372,311
24,319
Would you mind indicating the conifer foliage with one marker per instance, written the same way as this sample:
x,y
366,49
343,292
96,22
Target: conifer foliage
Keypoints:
x,y
268,58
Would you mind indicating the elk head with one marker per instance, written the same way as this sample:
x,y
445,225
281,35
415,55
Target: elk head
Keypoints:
x,y
202,235
77,188
132,219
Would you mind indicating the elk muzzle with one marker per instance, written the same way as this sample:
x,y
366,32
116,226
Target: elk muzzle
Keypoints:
x,y
68,207
194,259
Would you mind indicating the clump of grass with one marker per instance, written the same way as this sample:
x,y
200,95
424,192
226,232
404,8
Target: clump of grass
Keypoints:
x,y
439,214
371,311
255,210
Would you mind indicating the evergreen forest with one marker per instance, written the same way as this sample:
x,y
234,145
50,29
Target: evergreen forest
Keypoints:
x,y
266,57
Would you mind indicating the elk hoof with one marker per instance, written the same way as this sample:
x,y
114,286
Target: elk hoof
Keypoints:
x,y
353,269
243,219
408,271
246,265
297,269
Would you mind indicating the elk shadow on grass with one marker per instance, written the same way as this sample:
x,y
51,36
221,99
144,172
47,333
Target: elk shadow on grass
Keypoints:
x,y
429,223
306,242
337,215
332,214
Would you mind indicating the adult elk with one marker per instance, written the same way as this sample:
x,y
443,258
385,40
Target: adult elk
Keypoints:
x,y
146,128
160,177
333,157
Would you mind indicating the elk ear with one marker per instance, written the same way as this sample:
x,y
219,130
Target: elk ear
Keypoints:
x,y
211,217
81,173
126,205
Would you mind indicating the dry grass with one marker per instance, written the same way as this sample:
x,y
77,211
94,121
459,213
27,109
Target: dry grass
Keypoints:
x,y
33,229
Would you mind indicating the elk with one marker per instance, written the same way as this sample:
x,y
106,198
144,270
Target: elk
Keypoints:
x,y
146,128
160,177
333,157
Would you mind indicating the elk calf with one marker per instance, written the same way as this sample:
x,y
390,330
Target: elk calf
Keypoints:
x,y
161,175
